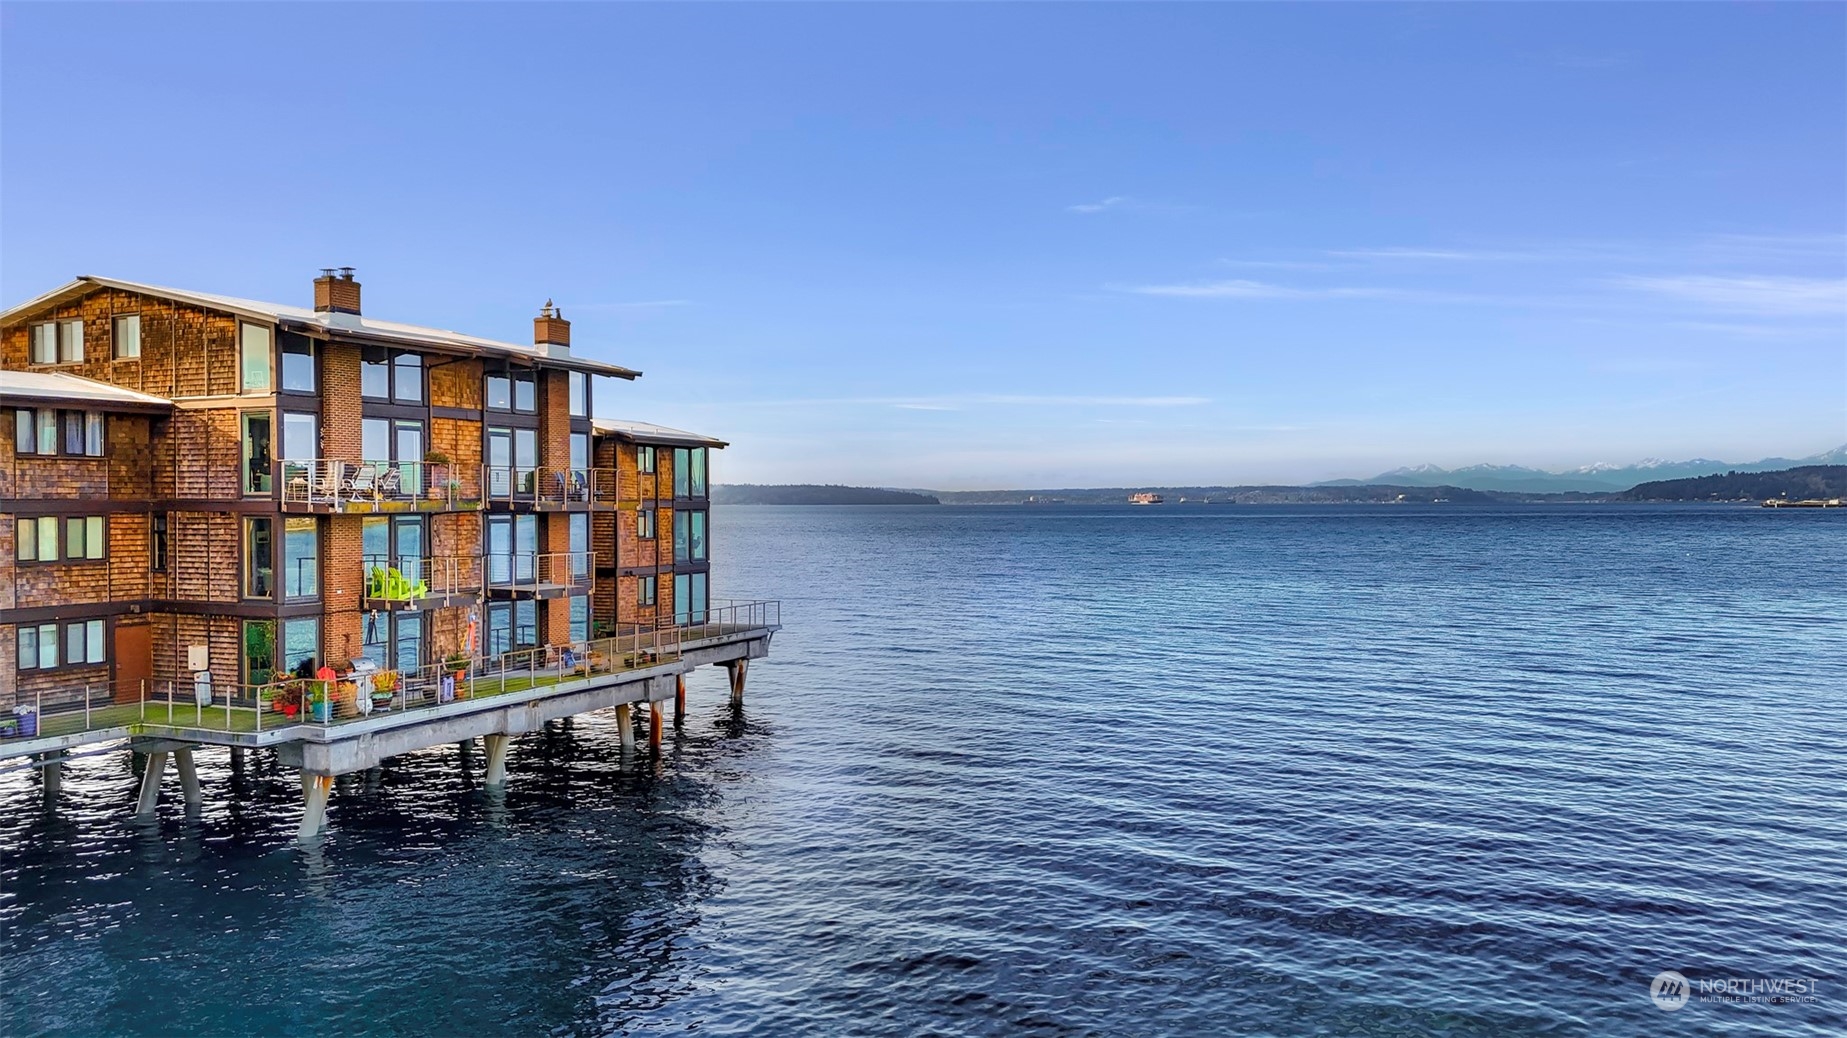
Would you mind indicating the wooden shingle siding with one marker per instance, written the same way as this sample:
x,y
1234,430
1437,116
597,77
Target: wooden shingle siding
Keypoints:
x,y
185,351
456,383
128,556
207,448
206,564
9,556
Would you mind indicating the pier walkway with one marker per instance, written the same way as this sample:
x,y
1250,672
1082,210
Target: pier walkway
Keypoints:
x,y
326,729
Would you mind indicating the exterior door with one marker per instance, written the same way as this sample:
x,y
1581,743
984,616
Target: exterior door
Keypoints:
x,y
134,660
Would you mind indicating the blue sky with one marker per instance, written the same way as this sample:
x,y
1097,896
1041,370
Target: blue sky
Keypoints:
x,y
975,246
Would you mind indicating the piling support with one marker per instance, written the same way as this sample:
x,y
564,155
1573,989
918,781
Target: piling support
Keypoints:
x,y
314,791
656,715
679,700
189,777
496,759
237,758
625,720
150,783
737,669
53,774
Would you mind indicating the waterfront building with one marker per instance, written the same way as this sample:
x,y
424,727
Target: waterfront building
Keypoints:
x,y
282,487
226,522
654,553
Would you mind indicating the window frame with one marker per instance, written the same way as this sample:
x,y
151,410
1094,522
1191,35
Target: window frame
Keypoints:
x,y
116,322
649,530
647,590
55,639
644,460
579,402
249,562
159,545
245,355
283,352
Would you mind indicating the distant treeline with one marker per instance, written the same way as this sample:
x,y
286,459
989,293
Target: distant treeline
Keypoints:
x,y
1798,484
809,494
1804,482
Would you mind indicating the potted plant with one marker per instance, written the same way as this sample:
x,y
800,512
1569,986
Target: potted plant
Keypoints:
x,y
439,473
28,720
286,699
319,707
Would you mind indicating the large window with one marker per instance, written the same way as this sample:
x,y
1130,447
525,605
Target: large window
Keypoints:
x,y
393,641
37,432
301,437
689,472
127,330
644,460
510,626
645,589
390,543
81,641
77,538
259,557
254,342
399,440
260,651
688,536
512,546
512,391
57,342
512,458
298,364
580,618
580,395
391,375
256,453
580,544
689,598
580,451
301,557
644,524
301,644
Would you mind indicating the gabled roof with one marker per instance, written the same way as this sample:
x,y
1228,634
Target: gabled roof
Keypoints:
x,y
645,432
59,387
334,326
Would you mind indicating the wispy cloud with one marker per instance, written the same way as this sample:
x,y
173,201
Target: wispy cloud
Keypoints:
x,y
1410,254
1112,202
1241,288
957,402
1761,295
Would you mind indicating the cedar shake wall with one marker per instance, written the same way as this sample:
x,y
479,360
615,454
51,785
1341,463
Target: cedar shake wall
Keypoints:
x,y
206,563
206,453
9,527
457,383
185,351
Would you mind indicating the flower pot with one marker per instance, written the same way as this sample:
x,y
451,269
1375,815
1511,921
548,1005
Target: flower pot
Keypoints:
x,y
321,711
28,724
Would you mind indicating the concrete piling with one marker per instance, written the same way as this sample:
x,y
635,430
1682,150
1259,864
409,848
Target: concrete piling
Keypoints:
x,y
625,720
189,778
150,783
496,759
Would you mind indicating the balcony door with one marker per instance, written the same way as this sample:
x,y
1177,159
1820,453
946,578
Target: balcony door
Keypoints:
x,y
512,548
391,543
396,444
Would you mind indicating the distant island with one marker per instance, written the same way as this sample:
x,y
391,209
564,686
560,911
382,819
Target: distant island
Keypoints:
x,y
811,494
1805,482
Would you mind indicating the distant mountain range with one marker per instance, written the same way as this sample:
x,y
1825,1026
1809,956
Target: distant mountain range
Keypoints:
x,y
1592,479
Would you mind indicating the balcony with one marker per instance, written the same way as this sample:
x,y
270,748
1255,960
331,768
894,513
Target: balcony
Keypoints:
x,y
377,486
516,488
554,574
427,582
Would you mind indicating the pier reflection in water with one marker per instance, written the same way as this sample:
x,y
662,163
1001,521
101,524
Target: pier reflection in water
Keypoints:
x,y
432,906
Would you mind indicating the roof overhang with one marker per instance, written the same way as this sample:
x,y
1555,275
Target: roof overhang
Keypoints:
x,y
648,433
59,388
330,326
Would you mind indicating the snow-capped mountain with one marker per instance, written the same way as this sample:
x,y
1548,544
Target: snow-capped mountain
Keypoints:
x,y
1595,478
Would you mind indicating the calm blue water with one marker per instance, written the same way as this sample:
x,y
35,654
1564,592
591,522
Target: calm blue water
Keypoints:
x,y
1448,770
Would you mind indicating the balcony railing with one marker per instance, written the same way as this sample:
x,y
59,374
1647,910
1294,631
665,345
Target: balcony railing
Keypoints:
x,y
286,702
573,489
395,579
540,573
378,486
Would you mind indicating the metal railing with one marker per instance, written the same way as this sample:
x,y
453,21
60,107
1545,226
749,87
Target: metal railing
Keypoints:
x,y
285,702
569,488
535,572
392,578
379,485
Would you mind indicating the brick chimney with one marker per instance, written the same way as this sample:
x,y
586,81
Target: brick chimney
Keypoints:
x,y
551,330
336,292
